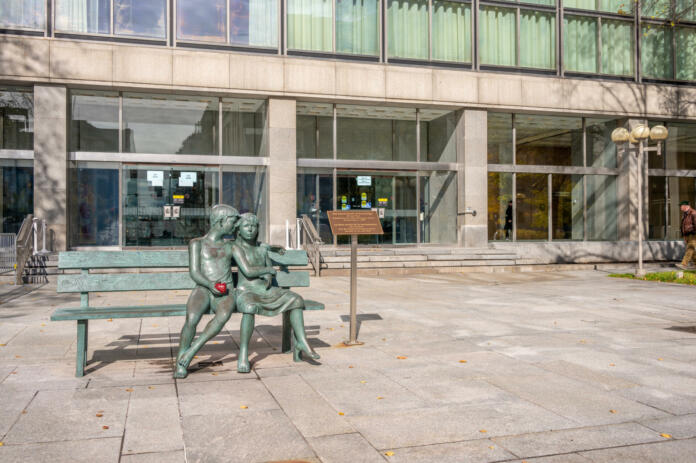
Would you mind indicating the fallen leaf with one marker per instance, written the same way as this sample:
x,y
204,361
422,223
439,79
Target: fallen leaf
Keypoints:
x,y
341,413
110,320
389,454
612,411
195,356
43,324
24,412
154,326
3,345
491,447
612,364
1,444
41,331
18,356
350,366
105,427
363,381
331,329
342,326
483,431
462,361
151,387
214,374
401,357
666,436
660,359
379,397
99,415
243,407
582,341
130,389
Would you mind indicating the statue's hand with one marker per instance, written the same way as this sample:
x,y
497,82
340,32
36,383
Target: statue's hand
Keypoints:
x,y
271,271
268,279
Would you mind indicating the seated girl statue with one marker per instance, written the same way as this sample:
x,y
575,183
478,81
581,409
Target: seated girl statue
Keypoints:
x,y
256,295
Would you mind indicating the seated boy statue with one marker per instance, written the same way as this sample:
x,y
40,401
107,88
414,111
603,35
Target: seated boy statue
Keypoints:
x,y
210,262
256,295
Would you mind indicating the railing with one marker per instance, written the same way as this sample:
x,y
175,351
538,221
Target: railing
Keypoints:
x,y
8,252
311,242
25,246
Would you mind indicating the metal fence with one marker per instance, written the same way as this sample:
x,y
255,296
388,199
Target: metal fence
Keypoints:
x,y
8,252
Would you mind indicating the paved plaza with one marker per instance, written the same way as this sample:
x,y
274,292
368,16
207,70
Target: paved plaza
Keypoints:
x,y
537,367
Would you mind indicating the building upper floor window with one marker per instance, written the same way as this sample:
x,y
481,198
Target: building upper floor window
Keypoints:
x,y
610,6
16,119
598,45
22,14
134,18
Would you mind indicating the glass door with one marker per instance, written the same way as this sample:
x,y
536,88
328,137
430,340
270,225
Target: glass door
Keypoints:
x,y
167,205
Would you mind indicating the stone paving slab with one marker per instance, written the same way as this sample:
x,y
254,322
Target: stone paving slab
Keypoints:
x,y
669,451
345,448
680,427
153,423
177,456
476,451
105,450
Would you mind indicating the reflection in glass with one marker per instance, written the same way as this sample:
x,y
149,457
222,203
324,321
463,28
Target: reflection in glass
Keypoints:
x,y
356,27
16,119
22,14
94,205
532,207
438,208
567,207
314,130
83,16
254,23
147,189
376,133
407,29
140,18
245,190
680,189
601,151
500,206
548,140
94,122
499,138
164,124
680,148
657,227
656,57
440,130
243,127
310,25
617,47
201,20
602,211
580,44
17,180
315,198
451,31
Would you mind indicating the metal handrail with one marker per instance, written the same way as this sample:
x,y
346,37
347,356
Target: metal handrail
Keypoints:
x,y
311,242
25,246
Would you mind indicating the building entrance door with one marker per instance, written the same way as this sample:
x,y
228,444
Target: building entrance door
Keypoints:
x,y
167,205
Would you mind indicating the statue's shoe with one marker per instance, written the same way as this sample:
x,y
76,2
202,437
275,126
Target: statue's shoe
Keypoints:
x,y
299,351
181,372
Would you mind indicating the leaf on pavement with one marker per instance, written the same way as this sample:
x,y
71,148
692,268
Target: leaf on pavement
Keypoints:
x,y
389,454
666,436
401,357
462,361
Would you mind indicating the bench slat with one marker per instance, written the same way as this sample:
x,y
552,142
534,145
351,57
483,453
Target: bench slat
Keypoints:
x,y
290,257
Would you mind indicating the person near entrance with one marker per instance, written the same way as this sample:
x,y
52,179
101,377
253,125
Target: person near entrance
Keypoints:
x,y
508,221
210,267
688,230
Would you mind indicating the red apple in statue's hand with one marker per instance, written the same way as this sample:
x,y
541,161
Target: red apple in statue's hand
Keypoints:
x,y
222,287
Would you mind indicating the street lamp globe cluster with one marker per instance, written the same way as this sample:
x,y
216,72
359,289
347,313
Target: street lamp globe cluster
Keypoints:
x,y
639,136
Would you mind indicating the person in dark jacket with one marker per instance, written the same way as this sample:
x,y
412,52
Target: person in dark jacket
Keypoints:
x,y
688,230
508,221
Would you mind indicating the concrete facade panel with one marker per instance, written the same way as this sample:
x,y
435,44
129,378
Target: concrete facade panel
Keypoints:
x,y
282,172
580,95
256,73
455,86
82,60
499,90
542,93
360,80
409,83
24,57
142,65
623,98
195,69
310,77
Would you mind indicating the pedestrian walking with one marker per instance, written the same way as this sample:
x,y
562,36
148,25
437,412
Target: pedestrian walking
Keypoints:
x,y
688,230
508,221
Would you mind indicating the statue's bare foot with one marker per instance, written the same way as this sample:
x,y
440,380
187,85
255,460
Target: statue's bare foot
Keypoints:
x,y
243,366
181,372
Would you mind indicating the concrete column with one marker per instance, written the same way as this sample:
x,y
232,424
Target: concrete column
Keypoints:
x,y
472,178
282,171
51,162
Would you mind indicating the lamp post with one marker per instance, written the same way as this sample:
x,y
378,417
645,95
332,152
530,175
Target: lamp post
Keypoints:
x,y
639,136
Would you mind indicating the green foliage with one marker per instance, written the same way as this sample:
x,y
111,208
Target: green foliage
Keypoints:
x,y
688,278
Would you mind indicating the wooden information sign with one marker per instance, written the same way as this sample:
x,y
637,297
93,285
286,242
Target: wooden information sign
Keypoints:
x,y
355,223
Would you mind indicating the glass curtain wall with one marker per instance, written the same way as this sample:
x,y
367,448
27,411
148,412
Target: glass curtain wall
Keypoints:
x,y
245,189
532,46
314,130
243,127
17,181
551,178
94,205
22,14
443,33
315,198
16,119
94,121
596,44
130,18
668,45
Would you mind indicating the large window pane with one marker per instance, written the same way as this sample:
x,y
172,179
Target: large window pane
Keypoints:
x,y
567,207
201,20
314,130
601,151
580,44
140,18
601,207
315,198
686,9
532,207
655,9
680,189
245,190
22,14
500,215
94,121
617,47
310,25
537,39
497,37
548,140
16,119
686,53
451,31
438,208
440,129
580,4
357,27
83,16
407,29
17,181
376,133
680,148
656,208
164,124
499,138
656,52
243,127
94,205
613,6
254,23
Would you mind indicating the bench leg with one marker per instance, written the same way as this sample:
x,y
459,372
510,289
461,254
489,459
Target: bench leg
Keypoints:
x,y
287,333
82,335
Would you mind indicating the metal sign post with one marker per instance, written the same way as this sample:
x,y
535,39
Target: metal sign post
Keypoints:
x,y
354,223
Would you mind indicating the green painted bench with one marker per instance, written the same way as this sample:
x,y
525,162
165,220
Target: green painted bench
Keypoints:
x,y
86,282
